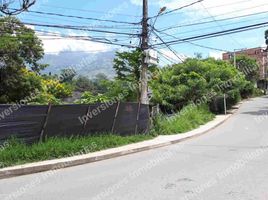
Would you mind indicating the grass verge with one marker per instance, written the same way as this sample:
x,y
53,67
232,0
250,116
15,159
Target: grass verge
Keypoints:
x,y
186,120
17,153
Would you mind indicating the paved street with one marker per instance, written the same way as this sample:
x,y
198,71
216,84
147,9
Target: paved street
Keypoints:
x,y
228,163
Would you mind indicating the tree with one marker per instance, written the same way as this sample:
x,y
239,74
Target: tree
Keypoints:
x,y
128,67
20,49
67,75
249,67
7,6
198,80
83,84
99,85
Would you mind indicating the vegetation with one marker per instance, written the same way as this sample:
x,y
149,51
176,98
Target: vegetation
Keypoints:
x,y
127,66
17,153
249,67
89,98
191,81
189,90
20,49
189,118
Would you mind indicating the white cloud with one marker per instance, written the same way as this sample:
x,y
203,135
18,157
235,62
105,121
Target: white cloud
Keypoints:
x,y
216,55
55,46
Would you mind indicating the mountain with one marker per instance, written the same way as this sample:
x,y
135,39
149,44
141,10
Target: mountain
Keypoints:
x,y
87,64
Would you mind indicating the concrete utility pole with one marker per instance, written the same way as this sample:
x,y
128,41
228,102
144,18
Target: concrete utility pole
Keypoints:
x,y
144,46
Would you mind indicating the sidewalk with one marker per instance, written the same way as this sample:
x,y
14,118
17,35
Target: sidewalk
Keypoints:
x,y
160,141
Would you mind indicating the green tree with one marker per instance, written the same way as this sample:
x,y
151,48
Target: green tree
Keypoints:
x,y
128,68
83,84
194,80
20,48
249,67
99,83
67,75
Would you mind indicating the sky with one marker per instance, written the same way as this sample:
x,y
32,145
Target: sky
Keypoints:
x,y
208,11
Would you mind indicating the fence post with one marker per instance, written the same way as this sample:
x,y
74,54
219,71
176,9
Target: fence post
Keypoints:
x,y
137,119
115,116
149,119
224,104
88,110
45,123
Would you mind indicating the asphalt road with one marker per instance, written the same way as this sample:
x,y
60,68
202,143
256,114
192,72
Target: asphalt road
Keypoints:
x,y
228,163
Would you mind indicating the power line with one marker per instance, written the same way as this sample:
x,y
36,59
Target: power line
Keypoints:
x,y
219,25
216,34
180,8
56,36
198,45
212,27
87,11
78,28
173,51
222,5
80,17
130,27
168,58
212,21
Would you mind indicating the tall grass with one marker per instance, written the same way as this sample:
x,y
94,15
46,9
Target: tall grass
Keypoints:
x,y
186,120
19,153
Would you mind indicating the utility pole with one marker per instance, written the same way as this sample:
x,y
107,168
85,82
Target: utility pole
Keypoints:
x,y
235,58
265,67
144,46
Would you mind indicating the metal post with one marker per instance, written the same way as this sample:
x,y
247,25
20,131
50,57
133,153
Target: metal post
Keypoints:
x,y
144,46
266,50
225,106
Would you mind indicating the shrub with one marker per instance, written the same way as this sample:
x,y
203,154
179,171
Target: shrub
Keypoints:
x,y
180,84
88,98
248,90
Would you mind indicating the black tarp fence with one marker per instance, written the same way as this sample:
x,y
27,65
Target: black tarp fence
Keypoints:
x,y
33,123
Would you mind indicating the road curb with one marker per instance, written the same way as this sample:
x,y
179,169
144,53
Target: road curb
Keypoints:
x,y
158,142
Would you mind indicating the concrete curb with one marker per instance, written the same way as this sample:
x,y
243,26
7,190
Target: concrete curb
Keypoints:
x,y
158,142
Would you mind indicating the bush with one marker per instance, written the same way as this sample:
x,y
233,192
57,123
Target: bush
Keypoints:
x,y
258,92
233,97
88,98
190,81
57,89
247,91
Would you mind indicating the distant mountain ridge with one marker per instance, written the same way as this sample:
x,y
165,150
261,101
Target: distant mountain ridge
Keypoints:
x,y
87,64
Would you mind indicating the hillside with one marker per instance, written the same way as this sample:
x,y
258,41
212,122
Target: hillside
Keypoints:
x,y
84,63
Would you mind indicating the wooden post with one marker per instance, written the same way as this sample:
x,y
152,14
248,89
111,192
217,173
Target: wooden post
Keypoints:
x,y
115,116
88,110
138,117
45,123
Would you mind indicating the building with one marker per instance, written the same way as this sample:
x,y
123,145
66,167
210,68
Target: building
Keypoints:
x,y
258,53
